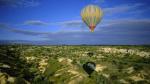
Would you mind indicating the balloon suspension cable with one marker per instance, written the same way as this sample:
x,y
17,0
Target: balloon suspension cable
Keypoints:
x,y
92,30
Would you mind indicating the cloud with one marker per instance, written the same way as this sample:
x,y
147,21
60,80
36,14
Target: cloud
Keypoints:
x,y
19,3
72,25
112,22
131,32
77,22
35,22
3,25
128,27
125,9
8,28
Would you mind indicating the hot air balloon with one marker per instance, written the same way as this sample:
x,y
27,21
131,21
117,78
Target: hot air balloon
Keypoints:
x,y
89,67
91,16
90,54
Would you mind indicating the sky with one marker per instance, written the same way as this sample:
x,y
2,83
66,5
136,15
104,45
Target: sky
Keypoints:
x,y
125,22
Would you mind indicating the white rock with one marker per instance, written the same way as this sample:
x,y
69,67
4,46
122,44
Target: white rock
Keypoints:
x,y
100,67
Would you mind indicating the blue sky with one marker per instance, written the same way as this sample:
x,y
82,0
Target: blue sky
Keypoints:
x,y
59,21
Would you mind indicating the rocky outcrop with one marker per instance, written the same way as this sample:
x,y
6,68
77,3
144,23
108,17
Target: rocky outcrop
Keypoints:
x,y
7,79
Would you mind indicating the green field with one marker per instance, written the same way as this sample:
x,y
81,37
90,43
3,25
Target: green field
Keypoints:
x,y
23,64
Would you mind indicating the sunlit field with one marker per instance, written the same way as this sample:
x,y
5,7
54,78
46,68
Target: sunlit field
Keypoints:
x,y
22,64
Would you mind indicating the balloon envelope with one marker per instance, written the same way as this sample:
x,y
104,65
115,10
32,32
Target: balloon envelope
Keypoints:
x,y
91,15
89,67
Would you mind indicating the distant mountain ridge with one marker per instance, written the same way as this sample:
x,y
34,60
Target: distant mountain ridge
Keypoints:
x,y
3,42
27,42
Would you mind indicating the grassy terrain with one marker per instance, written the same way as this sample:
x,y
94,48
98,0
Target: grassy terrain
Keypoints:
x,y
21,64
